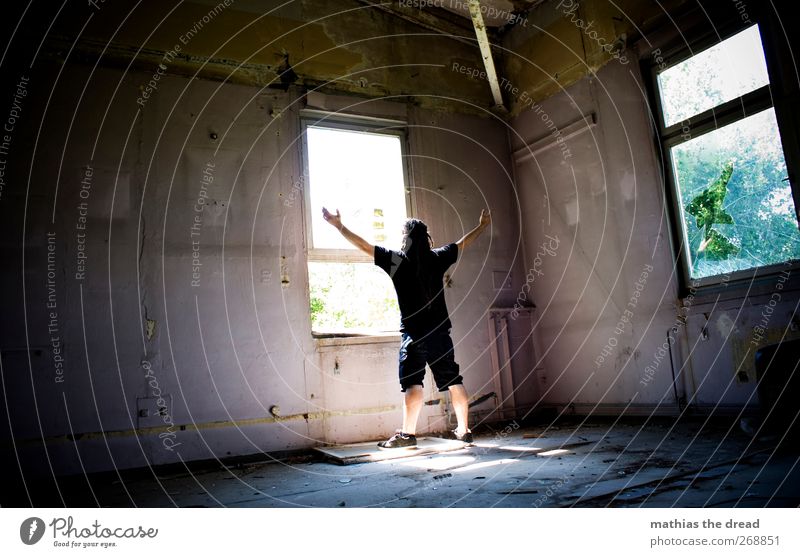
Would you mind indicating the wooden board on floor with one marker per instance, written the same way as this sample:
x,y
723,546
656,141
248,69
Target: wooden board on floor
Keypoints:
x,y
369,452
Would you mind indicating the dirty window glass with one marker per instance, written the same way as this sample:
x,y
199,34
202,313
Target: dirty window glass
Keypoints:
x,y
715,76
735,209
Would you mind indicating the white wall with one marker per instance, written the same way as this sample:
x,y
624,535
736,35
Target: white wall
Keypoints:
x,y
604,203
222,352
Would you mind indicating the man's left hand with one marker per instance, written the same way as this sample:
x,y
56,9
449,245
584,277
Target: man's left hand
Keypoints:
x,y
485,219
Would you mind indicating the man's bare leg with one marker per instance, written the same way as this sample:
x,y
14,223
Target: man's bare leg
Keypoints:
x,y
412,404
460,399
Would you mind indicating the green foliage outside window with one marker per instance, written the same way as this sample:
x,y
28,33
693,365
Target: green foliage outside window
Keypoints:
x,y
707,210
351,297
737,206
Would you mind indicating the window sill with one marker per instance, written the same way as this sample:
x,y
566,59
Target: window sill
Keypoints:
x,y
753,289
334,339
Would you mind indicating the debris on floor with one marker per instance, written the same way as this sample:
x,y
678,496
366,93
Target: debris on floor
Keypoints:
x,y
656,464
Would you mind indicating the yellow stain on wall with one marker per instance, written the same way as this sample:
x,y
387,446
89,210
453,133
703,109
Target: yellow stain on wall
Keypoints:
x,y
572,44
744,350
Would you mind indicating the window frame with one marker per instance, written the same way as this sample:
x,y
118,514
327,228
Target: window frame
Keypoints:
x,y
364,124
712,119
359,123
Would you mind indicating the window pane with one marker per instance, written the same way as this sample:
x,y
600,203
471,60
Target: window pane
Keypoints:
x,y
351,296
724,72
361,174
747,222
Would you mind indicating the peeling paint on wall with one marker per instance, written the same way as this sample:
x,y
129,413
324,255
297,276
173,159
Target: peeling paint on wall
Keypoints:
x,y
725,325
557,49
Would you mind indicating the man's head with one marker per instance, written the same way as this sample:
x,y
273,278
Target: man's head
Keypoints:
x,y
415,232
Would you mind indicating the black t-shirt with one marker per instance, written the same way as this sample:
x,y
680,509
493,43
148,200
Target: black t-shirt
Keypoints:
x,y
418,317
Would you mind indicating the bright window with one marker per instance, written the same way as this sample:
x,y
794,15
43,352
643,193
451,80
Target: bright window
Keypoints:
x,y
733,200
358,170
710,78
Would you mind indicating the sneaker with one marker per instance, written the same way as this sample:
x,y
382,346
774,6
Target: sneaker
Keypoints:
x,y
398,441
466,438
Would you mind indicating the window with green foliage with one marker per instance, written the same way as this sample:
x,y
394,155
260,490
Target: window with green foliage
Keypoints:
x,y
357,169
733,200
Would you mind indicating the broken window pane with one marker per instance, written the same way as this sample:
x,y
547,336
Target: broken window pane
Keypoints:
x,y
735,201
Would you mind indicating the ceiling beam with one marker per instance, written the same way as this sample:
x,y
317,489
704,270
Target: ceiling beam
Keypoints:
x,y
486,51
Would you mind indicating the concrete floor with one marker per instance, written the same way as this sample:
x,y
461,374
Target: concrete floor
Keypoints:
x,y
661,464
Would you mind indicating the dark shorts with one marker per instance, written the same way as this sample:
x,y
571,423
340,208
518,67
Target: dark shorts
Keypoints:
x,y
435,349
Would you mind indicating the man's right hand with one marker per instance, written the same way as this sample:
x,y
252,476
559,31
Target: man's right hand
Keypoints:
x,y
350,236
333,220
